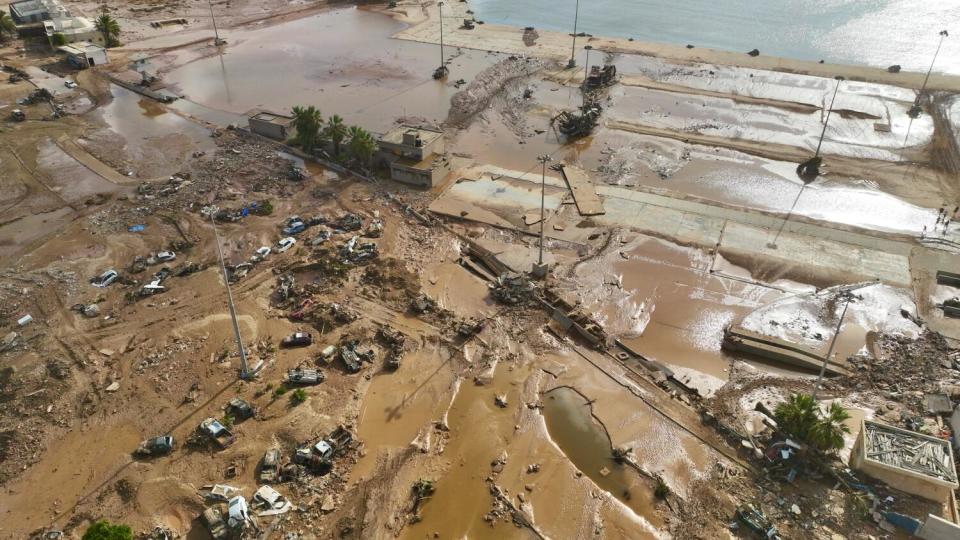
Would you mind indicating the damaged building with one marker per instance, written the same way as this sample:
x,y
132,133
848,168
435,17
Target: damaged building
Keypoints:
x,y
909,461
415,156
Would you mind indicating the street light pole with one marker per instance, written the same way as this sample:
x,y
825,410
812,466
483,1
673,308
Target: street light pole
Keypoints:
x,y
216,33
827,121
915,110
573,48
543,189
244,370
833,342
440,5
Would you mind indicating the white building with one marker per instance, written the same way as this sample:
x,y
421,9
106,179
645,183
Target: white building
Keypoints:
x,y
74,29
84,54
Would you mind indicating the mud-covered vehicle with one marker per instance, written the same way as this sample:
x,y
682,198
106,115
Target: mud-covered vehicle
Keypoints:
x,y
156,446
304,377
297,339
211,430
212,519
240,409
270,466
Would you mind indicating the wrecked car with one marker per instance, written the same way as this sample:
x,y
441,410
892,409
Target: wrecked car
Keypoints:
x,y
239,409
297,339
156,446
212,519
105,278
270,467
215,432
304,377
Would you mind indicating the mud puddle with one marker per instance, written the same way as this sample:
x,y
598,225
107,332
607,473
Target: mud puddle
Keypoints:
x,y
585,442
343,61
16,234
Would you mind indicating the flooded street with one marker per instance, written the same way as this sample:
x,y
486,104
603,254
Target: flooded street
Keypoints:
x,y
343,62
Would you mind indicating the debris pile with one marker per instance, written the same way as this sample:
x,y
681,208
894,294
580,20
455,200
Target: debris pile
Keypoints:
x,y
511,289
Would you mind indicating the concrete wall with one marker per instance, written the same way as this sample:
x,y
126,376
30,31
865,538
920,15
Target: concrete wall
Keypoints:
x,y
936,528
417,153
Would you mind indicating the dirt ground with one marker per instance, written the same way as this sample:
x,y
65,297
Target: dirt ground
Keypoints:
x,y
520,426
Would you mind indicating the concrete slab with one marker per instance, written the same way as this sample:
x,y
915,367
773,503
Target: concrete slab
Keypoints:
x,y
583,190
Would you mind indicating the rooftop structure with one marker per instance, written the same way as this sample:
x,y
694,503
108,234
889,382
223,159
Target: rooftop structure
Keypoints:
x,y
415,155
35,11
83,54
906,460
74,29
269,124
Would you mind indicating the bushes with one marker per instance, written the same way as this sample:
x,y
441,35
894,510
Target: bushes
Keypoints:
x,y
298,396
104,530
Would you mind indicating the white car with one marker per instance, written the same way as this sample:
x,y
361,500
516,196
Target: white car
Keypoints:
x,y
105,278
166,256
262,252
286,243
70,84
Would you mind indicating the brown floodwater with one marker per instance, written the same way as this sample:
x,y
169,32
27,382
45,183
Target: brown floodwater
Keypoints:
x,y
585,442
342,61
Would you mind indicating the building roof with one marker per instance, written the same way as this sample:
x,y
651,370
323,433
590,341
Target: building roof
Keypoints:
x,y
28,8
428,163
272,117
909,451
69,25
81,48
395,136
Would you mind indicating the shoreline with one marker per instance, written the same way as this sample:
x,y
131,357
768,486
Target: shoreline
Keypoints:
x,y
557,45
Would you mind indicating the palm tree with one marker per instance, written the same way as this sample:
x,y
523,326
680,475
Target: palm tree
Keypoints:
x,y
109,27
308,121
362,145
797,415
336,131
827,433
6,26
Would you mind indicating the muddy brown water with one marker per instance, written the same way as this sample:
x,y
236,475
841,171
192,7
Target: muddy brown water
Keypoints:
x,y
343,61
585,442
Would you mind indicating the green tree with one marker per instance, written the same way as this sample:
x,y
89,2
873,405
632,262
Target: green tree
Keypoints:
x,y
308,122
362,145
58,39
109,28
797,415
298,396
801,417
827,433
336,131
104,530
6,26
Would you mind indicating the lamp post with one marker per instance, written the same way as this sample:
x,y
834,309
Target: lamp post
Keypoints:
x,y
441,71
833,342
540,269
573,48
810,169
244,370
916,110
216,33
586,68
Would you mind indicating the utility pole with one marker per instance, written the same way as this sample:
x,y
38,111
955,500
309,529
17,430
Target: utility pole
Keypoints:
x,y
573,48
441,71
833,342
244,370
216,33
916,110
586,68
540,269
810,169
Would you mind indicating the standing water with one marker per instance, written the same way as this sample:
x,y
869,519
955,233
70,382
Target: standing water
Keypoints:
x,y
584,441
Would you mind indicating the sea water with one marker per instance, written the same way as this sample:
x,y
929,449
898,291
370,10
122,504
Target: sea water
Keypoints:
x,y
867,32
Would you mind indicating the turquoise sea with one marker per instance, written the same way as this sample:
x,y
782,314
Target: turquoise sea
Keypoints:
x,y
869,32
